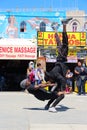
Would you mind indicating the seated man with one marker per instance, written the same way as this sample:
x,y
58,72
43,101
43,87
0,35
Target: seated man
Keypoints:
x,y
69,77
40,93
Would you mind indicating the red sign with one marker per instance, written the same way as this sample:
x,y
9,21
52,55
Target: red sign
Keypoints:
x,y
17,49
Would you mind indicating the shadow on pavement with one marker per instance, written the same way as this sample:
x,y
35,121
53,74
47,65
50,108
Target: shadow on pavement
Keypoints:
x,y
58,108
34,109
62,108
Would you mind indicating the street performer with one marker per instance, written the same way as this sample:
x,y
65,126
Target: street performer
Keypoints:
x,y
58,73
41,94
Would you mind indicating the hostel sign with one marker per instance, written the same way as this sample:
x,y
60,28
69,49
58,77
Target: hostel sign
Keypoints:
x,y
74,38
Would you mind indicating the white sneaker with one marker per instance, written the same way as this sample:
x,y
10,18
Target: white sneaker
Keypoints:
x,y
26,91
52,109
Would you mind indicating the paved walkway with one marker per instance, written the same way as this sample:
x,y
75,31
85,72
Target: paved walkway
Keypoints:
x,y
22,111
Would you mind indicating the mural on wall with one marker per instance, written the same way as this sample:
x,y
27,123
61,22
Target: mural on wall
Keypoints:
x,y
26,24
12,30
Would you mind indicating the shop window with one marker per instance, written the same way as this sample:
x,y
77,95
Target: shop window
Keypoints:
x,y
9,21
23,26
85,26
42,27
74,27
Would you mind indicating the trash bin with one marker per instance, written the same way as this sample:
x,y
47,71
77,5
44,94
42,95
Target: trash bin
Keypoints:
x,y
75,87
86,86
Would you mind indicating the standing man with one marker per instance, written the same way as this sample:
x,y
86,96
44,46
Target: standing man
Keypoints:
x,y
80,76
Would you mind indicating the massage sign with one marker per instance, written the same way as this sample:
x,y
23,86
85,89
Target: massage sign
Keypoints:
x,y
17,49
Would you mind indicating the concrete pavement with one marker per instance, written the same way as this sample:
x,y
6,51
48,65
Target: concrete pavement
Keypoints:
x,y
22,111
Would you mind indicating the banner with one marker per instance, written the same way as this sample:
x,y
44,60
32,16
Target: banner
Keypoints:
x,y
72,52
86,60
74,38
72,59
18,49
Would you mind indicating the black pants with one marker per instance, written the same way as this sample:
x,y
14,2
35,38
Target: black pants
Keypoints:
x,y
55,101
62,47
42,94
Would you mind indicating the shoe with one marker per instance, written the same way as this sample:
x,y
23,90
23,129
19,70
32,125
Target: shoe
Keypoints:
x,y
26,91
55,26
84,93
46,107
52,109
65,21
78,94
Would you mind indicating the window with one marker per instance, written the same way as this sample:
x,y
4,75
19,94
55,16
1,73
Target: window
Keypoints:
x,y
85,26
42,27
23,26
74,27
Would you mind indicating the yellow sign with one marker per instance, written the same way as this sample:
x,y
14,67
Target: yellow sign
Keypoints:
x,y
86,60
72,53
74,38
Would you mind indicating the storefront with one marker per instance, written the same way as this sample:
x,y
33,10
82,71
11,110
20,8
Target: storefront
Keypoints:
x,y
15,55
48,47
19,40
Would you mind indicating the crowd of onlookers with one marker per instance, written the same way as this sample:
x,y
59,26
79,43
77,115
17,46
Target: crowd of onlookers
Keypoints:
x,y
36,74
78,76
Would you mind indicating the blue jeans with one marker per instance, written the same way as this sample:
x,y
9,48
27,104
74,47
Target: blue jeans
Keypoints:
x,y
80,85
38,82
69,82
